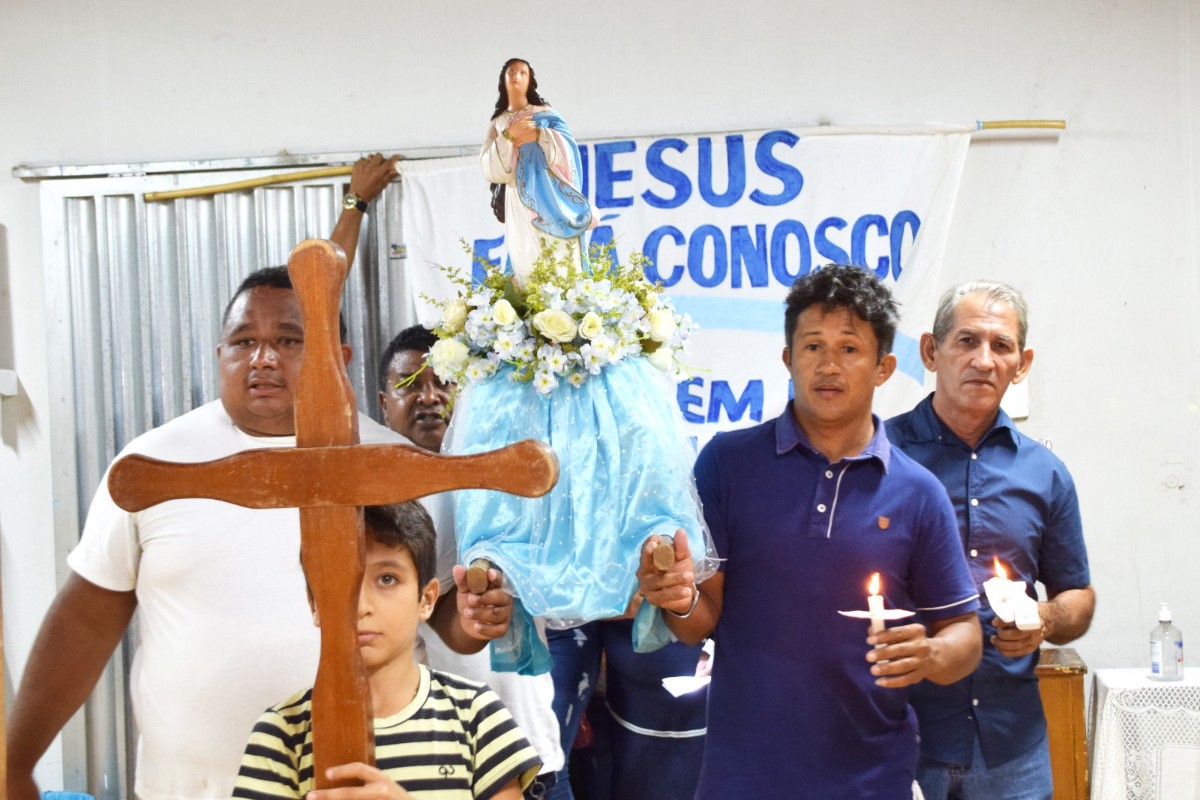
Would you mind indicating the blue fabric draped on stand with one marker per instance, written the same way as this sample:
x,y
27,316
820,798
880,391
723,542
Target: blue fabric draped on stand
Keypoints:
x,y
572,555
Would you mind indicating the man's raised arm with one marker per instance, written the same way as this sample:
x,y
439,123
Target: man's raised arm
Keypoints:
x,y
370,176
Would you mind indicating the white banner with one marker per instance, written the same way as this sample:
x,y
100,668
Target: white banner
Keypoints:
x,y
729,222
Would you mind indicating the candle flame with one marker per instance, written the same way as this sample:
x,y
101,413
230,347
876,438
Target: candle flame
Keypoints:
x,y
999,569
873,586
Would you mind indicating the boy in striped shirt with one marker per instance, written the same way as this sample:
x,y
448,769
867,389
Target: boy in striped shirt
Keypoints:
x,y
437,736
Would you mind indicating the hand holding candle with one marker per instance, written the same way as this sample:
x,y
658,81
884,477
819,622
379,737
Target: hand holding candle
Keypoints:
x,y
1009,601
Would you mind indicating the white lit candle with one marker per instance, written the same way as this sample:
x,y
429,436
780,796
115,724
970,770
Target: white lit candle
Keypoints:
x,y
999,590
876,613
1009,601
875,604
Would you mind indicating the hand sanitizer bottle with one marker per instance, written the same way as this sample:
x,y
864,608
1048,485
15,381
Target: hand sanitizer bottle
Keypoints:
x,y
1166,649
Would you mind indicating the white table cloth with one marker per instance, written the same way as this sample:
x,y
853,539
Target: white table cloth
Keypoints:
x,y
1145,736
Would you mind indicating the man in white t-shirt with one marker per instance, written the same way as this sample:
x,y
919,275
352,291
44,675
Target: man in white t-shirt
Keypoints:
x,y
224,626
416,404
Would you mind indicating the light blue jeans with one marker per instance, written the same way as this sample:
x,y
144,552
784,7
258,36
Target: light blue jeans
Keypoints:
x,y
1026,777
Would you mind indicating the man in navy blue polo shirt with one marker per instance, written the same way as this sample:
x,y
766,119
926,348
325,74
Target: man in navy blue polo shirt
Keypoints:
x,y
803,509
985,736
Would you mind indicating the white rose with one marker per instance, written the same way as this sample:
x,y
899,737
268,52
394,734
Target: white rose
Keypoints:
x,y
503,312
448,356
591,325
454,315
555,325
663,358
662,324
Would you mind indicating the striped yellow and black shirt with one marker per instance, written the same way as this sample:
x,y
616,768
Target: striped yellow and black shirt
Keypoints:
x,y
454,741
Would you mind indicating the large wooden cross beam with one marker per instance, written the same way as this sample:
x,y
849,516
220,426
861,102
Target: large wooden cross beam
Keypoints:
x,y
329,476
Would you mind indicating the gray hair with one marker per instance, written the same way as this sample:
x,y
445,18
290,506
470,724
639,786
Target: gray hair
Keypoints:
x,y
993,292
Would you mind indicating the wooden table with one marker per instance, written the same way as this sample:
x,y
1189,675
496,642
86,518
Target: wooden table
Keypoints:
x,y
1060,673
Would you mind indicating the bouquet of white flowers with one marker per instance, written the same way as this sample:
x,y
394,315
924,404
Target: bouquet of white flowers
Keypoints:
x,y
566,323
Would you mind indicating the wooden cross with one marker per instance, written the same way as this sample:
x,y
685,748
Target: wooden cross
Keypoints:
x,y
329,476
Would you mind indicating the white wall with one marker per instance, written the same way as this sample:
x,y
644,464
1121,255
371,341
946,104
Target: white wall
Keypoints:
x,y
1098,225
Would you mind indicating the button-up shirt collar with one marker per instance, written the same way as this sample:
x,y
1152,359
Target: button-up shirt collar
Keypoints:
x,y
927,426
790,436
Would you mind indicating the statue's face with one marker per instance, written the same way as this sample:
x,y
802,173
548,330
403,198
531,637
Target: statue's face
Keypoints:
x,y
516,77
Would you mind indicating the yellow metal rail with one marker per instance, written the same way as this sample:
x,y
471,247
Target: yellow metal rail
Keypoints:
x,y
252,183
1013,124
328,172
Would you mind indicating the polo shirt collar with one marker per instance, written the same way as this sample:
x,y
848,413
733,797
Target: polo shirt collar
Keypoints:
x,y
927,426
789,436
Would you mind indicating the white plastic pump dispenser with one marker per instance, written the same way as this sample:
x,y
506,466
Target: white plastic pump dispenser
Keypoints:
x,y
1166,649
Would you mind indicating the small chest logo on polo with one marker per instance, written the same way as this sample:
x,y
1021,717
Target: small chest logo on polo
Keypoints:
x,y
883,523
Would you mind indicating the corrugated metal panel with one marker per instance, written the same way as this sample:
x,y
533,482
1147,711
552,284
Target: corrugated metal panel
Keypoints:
x,y
146,286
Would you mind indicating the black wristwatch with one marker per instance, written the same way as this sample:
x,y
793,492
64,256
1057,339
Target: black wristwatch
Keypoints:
x,y
351,200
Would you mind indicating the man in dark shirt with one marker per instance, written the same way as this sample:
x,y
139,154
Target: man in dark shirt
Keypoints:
x,y
985,736
802,510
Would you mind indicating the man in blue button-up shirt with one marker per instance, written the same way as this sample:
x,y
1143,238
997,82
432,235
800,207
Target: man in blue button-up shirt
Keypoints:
x,y
985,736
802,510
